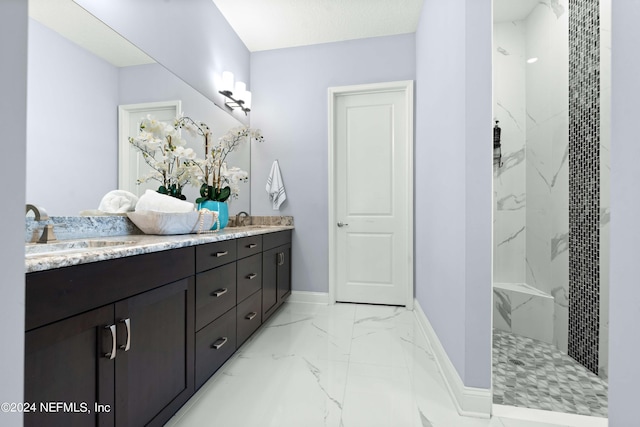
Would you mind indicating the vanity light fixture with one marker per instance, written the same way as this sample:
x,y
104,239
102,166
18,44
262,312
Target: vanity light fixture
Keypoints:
x,y
237,94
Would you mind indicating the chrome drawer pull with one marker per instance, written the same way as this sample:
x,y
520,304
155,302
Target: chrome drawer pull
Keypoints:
x,y
252,276
219,254
252,245
127,324
222,341
114,346
251,315
219,292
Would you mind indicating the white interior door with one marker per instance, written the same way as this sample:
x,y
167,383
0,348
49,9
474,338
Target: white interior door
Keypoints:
x,y
131,163
373,190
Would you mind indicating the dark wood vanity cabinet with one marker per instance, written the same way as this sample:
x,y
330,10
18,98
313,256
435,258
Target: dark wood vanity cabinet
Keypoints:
x,y
126,342
215,307
64,363
228,302
154,378
276,271
131,359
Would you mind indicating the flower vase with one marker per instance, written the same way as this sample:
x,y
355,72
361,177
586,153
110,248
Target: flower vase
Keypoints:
x,y
221,207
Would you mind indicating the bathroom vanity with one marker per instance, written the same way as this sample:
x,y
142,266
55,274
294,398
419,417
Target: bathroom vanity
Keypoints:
x,y
124,334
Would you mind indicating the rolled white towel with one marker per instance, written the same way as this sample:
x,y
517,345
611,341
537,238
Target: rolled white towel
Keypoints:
x,y
118,201
154,201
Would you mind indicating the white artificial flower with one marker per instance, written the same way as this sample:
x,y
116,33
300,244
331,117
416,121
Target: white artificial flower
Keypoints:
x,y
189,154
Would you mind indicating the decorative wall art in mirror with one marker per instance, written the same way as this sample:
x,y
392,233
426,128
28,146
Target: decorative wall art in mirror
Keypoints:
x,y
80,72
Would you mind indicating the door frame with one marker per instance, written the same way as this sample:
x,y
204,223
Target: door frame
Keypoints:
x,y
405,86
124,120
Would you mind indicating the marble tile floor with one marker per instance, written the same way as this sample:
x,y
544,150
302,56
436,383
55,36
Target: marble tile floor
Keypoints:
x,y
534,374
341,365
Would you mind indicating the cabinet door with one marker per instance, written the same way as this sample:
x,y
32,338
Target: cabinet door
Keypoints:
x,y
284,272
66,362
269,282
154,374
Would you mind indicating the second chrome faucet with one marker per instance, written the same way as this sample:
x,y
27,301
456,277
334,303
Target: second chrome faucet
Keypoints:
x,y
241,219
41,215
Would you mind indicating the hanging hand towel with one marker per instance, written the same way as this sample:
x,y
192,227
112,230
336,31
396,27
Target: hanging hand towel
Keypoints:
x,y
275,186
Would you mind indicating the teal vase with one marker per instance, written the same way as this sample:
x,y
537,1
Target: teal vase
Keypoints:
x,y
221,207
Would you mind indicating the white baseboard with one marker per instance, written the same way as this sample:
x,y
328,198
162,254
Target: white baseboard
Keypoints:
x,y
469,401
309,297
549,417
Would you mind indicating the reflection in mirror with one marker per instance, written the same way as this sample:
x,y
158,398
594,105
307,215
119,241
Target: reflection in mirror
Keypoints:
x,y
76,81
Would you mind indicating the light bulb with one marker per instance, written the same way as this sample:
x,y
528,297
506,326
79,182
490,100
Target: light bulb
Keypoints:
x,y
227,81
240,89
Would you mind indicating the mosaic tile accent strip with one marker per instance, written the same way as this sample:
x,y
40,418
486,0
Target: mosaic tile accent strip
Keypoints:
x,y
584,181
533,374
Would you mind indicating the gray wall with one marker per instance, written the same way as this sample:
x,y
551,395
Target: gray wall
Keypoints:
x,y
454,180
624,369
13,110
191,38
290,92
72,124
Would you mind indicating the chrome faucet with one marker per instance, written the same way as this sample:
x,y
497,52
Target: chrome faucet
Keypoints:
x,y
41,215
240,218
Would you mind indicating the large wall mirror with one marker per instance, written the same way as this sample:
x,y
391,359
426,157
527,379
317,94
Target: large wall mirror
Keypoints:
x,y
79,72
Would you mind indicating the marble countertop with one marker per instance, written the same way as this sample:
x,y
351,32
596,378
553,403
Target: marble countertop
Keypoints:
x,y
136,245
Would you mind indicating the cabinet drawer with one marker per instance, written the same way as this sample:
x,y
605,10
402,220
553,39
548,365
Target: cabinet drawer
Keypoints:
x,y
214,345
215,254
248,246
271,240
249,314
249,276
215,293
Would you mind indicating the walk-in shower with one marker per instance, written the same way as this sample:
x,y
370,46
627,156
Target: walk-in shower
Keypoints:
x,y
551,203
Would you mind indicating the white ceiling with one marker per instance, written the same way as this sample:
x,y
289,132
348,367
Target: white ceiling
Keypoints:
x,y
512,10
263,24
274,24
76,24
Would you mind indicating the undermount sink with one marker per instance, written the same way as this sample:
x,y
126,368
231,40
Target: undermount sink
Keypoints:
x,y
247,227
72,246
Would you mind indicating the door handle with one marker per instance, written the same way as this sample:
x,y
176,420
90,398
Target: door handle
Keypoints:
x,y
219,292
127,324
114,346
342,224
219,343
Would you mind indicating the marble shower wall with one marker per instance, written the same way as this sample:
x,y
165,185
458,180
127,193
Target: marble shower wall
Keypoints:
x,y
509,214
531,189
547,189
